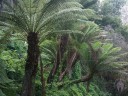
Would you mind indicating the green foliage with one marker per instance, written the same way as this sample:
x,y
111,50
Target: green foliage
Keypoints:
x,y
4,37
77,89
1,93
112,7
4,81
3,75
51,19
110,11
115,21
12,59
95,90
123,30
88,3
31,16
99,58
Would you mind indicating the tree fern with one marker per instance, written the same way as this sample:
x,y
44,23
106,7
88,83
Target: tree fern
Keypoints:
x,y
34,20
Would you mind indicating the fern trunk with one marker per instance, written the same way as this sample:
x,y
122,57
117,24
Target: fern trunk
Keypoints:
x,y
31,65
63,41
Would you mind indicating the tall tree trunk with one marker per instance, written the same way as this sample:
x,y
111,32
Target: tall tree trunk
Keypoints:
x,y
31,64
42,78
60,52
71,60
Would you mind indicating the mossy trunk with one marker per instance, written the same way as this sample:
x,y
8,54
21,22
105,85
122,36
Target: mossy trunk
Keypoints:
x,y
31,65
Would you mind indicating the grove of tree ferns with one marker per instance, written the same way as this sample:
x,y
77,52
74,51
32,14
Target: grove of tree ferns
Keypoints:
x,y
63,48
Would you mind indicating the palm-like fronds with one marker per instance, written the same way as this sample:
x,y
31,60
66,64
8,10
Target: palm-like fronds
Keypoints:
x,y
102,58
35,19
42,16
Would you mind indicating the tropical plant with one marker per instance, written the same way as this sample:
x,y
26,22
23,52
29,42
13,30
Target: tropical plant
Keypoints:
x,y
45,26
32,21
98,60
3,78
